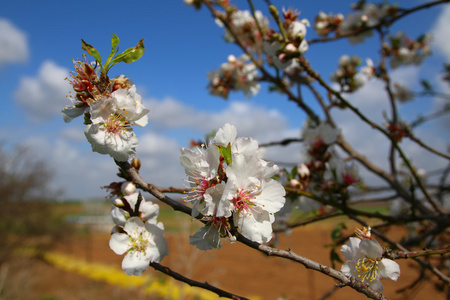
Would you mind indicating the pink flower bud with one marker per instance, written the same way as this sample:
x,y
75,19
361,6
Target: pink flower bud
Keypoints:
x,y
136,163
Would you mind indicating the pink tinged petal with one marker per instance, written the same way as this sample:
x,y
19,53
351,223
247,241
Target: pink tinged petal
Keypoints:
x,y
388,269
134,263
119,243
351,248
371,248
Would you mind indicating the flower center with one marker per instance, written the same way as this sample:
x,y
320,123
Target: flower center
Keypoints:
x,y
200,185
367,269
117,123
243,202
139,242
219,224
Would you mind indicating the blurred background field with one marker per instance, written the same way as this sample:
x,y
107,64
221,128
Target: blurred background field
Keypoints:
x,y
60,251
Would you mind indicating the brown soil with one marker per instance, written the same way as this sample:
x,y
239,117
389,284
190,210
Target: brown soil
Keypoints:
x,y
235,268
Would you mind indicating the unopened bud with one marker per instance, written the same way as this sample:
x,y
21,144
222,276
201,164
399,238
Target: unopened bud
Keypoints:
x,y
232,239
136,163
118,202
303,171
128,188
274,11
294,183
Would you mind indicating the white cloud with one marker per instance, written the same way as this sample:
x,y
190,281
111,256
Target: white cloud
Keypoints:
x,y
441,33
80,172
44,96
13,44
250,120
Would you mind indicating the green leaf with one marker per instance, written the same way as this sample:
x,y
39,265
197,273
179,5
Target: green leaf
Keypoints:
x,y
226,153
114,41
131,54
91,51
426,85
334,256
336,232
294,173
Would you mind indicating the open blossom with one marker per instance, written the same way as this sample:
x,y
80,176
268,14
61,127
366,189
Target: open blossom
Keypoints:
x,y
364,262
324,24
321,135
201,167
142,243
245,27
208,237
348,76
239,186
366,15
235,75
113,118
405,51
252,198
402,93
342,173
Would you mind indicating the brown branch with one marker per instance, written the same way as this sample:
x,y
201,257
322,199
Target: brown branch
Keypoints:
x,y
204,285
284,142
411,254
308,263
384,22
422,144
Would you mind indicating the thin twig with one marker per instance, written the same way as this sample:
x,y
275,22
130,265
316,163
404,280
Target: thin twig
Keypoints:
x,y
204,285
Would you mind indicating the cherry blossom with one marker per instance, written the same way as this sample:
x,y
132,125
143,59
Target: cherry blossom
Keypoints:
x,y
142,242
113,118
364,262
235,75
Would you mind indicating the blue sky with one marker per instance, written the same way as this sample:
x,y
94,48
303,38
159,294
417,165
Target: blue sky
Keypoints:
x,y
182,46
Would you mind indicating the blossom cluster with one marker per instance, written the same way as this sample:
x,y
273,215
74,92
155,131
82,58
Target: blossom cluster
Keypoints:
x,y
231,189
326,23
348,76
111,107
236,74
137,232
281,48
323,173
365,17
365,261
404,51
284,48
246,27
